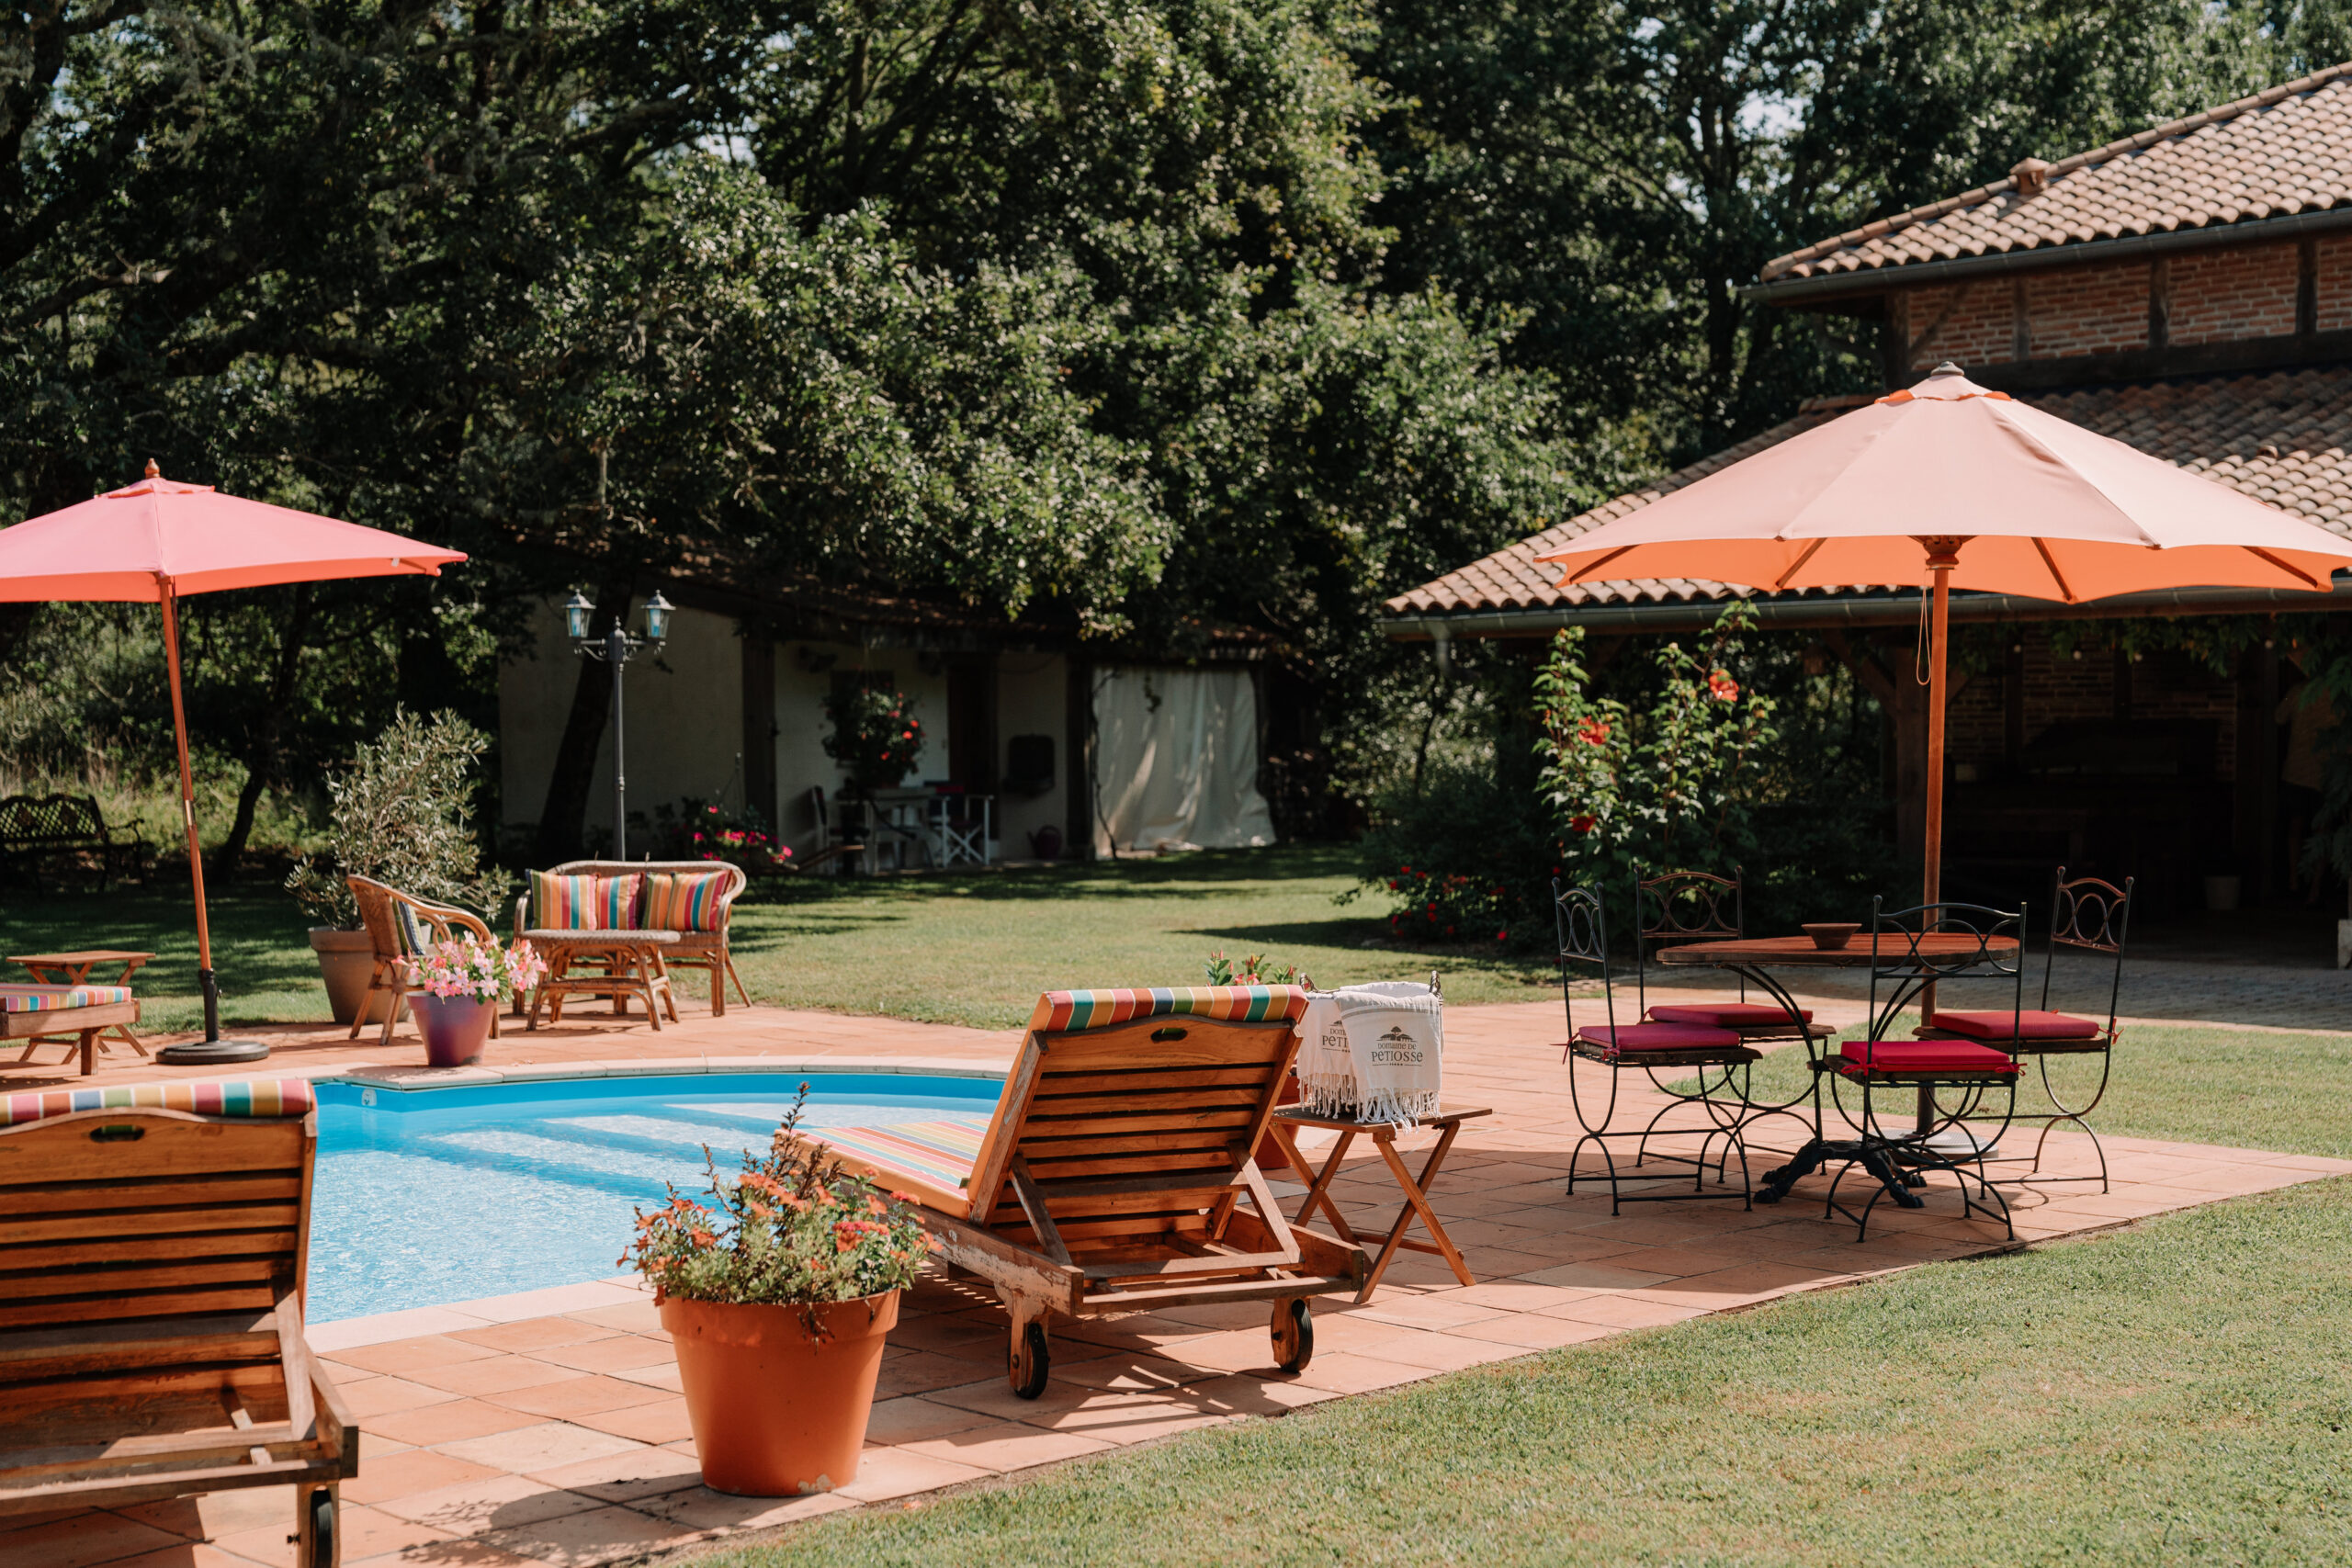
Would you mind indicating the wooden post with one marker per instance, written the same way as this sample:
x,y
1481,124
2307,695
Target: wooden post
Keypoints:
x,y
204,978
1943,555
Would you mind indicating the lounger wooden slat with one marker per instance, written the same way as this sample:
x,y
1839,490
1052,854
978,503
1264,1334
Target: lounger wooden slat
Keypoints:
x,y
151,1265
1118,1170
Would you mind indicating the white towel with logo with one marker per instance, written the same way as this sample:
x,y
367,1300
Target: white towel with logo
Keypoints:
x,y
1373,1052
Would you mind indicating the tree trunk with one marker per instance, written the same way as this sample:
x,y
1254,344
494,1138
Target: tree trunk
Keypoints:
x,y
562,820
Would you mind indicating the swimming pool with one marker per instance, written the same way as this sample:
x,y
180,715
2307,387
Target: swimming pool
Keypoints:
x,y
425,1197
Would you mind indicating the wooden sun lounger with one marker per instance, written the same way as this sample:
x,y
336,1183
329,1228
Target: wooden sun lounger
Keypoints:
x,y
152,1261
1117,1175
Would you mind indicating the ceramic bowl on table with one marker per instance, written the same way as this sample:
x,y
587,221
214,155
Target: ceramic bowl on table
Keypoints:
x,y
1830,935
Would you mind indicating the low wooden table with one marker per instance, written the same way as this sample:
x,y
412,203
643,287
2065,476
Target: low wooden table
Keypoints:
x,y
1448,1119
633,967
73,969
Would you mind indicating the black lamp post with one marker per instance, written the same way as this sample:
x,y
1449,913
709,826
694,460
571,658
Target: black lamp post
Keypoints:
x,y
615,648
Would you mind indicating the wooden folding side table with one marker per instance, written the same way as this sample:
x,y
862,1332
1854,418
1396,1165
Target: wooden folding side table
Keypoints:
x,y
73,969
1448,1121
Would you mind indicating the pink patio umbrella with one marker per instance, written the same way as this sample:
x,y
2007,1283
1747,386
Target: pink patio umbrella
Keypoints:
x,y
1982,492
159,539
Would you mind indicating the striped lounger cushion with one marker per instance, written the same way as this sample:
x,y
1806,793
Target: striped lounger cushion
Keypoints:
x,y
933,1159
261,1097
57,999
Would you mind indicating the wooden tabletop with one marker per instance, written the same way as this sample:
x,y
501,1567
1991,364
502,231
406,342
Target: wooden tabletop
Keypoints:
x,y
601,938
91,955
1799,953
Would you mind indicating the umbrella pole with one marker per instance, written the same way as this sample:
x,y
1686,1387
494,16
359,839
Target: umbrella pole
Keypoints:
x,y
1942,556
211,988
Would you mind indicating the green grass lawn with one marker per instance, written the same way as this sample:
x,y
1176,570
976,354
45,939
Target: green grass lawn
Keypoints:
x,y
2177,1392
974,947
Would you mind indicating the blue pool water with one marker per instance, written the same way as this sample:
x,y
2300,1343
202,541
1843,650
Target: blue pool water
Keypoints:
x,y
431,1196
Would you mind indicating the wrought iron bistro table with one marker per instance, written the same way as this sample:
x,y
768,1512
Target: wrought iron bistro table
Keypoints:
x,y
1755,958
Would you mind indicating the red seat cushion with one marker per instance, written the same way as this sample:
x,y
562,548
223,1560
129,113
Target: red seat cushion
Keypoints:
x,y
1730,1015
1627,1038
1924,1056
2026,1025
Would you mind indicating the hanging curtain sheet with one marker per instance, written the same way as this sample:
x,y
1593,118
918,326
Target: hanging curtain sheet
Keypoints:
x,y
1176,761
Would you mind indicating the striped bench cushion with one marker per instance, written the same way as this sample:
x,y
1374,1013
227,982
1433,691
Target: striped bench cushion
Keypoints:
x,y
57,999
931,1159
259,1097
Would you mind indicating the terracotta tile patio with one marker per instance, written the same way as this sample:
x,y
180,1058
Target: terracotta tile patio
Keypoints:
x,y
547,1428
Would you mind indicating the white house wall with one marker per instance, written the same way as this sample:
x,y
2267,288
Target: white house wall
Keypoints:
x,y
1032,698
804,676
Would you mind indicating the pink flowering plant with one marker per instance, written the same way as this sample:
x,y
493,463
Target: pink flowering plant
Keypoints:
x,y
478,971
792,1228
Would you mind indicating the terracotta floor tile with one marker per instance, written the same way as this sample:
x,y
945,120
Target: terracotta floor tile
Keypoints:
x,y
461,1553
599,1535
577,1396
1514,1296
495,1502
1533,1331
1244,1395
373,1398
1126,1374
1006,1446
528,1450
699,1508
80,1541
367,1532
613,1353
626,1477
1623,1312
1447,1311
883,1473
1130,1417
634,1317
535,1334
409,1356
450,1422
499,1374
1608,1276
919,1371
410,1470
190,1554
663,1420
665,1376
216,1514
915,1417
1344,1373
936,1331
1441,1352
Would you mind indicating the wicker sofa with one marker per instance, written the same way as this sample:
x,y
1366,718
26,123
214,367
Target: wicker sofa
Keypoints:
x,y
694,950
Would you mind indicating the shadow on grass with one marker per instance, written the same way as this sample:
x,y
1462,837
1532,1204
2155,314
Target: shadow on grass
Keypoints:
x,y
1204,874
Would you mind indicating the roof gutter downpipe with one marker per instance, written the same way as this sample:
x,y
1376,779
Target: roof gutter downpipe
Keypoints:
x,y
1858,610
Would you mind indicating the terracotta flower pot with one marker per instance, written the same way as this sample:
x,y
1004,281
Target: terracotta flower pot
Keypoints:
x,y
347,959
455,1027
777,1413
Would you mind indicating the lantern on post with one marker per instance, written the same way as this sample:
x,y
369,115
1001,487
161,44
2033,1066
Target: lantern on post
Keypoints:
x,y
616,648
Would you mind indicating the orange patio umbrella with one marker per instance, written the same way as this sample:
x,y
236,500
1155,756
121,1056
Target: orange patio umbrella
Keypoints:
x,y
159,539
1981,492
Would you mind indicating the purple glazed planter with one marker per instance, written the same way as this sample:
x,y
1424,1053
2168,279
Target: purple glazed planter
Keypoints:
x,y
455,1027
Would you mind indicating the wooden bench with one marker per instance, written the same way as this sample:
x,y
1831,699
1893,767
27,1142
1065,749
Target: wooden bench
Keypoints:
x,y
152,1262
35,1013
682,950
43,832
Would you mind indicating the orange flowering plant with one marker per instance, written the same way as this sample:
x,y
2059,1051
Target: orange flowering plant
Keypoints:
x,y
792,1228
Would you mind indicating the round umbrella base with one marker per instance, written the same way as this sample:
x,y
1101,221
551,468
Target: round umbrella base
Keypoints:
x,y
213,1053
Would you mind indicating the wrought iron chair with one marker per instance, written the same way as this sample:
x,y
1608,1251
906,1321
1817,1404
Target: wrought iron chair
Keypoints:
x,y
1650,1047
1913,952
2087,915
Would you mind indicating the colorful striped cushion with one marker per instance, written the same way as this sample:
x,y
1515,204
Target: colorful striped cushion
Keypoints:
x,y
583,903
263,1097
1063,1010
938,1154
55,999
684,901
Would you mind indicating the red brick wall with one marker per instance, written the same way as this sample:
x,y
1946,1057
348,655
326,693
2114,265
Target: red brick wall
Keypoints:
x,y
2088,310
1972,323
2230,295
2334,284
2058,689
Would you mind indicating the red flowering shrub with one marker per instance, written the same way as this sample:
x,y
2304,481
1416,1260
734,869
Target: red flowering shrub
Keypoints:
x,y
875,736
791,1229
701,830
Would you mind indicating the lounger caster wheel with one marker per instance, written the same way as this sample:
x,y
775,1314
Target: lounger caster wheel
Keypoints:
x,y
1030,1362
1293,1334
318,1524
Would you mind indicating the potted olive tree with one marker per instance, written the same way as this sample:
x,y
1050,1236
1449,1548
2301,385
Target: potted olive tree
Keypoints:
x,y
777,1290
401,813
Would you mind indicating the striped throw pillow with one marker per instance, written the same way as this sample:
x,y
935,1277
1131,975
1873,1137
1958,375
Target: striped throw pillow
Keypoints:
x,y
583,903
682,901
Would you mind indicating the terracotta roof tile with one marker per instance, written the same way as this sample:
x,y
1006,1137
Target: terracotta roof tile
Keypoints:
x,y
2284,437
2278,153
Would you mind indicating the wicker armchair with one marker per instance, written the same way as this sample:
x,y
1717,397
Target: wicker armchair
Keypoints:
x,y
397,925
694,950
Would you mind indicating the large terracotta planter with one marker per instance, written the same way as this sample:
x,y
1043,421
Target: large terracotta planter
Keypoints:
x,y
776,1413
347,959
455,1027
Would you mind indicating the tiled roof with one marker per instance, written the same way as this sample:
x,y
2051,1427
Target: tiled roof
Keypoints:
x,y
2280,153
2285,438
